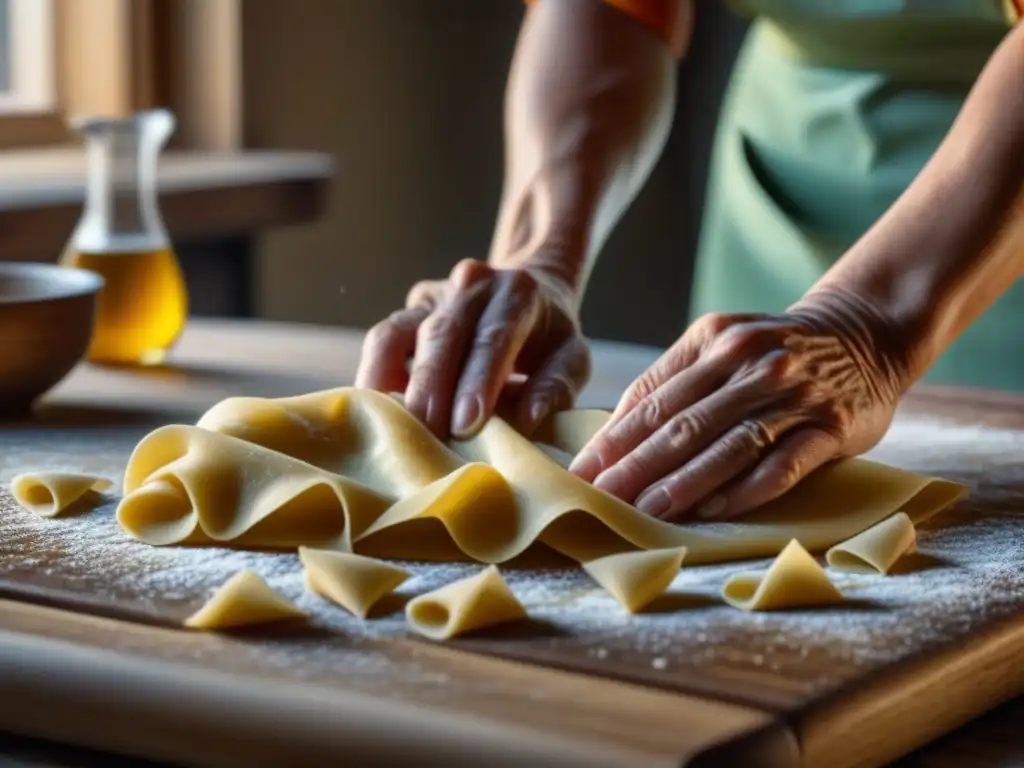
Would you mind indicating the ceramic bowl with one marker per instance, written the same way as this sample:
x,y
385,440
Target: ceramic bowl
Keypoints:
x,y
46,322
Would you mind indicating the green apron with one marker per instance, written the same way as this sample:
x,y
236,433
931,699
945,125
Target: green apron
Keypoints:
x,y
833,108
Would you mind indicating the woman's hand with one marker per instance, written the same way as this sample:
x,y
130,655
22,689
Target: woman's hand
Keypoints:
x,y
741,408
467,335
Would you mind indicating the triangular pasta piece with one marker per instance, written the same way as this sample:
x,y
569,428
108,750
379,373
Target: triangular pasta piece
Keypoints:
x,y
877,549
48,494
794,580
243,600
480,601
634,579
352,581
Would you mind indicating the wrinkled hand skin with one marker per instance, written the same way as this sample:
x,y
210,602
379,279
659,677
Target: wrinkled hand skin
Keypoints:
x,y
467,335
684,441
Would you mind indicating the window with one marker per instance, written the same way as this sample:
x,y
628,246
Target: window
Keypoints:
x,y
29,111
63,58
27,57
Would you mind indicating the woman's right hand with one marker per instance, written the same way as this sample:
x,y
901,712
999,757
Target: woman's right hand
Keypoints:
x,y
467,335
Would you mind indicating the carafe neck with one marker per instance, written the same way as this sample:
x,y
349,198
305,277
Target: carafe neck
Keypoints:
x,y
121,207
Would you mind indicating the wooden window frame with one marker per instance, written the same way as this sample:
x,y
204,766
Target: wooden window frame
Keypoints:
x,y
114,57
32,115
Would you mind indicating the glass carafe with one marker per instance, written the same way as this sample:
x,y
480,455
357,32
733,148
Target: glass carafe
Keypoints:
x,y
143,306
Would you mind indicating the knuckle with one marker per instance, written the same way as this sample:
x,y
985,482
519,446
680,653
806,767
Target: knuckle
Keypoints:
x,y
641,390
775,369
493,336
651,413
437,328
680,431
786,473
714,322
571,363
742,444
737,342
469,271
556,385
836,418
403,321
423,292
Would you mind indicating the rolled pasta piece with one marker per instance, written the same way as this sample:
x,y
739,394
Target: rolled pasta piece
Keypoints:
x,y
463,606
243,600
49,494
352,581
877,549
794,580
634,579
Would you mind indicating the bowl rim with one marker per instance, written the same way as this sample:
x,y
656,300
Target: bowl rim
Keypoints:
x,y
60,282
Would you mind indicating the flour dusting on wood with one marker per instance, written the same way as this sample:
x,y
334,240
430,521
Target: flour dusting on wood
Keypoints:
x,y
968,572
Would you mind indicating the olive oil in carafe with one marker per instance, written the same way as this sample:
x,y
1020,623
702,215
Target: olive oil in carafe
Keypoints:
x,y
142,308
143,305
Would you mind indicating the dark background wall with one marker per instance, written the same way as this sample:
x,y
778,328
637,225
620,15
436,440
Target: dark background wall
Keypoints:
x,y
407,95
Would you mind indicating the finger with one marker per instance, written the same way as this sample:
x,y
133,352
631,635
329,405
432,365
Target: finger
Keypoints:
x,y
733,454
669,408
441,344
682,438
676,358
684,353
386,349
555,385
796,456
426,294
499,336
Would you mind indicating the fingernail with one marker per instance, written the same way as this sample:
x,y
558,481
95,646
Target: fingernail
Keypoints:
x,y
712,508
539,411
586,465
608,479
468,413
655,502
434,412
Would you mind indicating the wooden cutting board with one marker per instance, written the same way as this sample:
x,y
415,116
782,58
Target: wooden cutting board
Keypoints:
x,y
910,657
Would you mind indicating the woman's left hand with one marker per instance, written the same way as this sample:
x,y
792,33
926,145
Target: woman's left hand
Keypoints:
x,y
742,407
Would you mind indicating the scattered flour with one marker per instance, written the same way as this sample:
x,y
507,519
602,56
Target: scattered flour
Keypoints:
x,y
969,571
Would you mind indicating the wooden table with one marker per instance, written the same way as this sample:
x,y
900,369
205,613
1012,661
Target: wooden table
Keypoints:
x,y
440,703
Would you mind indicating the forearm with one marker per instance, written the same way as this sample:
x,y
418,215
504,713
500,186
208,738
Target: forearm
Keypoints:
x,y
954,241
588,109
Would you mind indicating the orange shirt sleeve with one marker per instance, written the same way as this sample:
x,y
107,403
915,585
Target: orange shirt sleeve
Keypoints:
x,y
666,17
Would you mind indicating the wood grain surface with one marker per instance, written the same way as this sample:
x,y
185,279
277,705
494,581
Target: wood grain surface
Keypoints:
x,y
748,683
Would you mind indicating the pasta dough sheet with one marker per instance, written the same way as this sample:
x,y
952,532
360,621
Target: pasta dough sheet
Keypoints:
x,y
794,580
50,494
464,606
352,470
877,549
